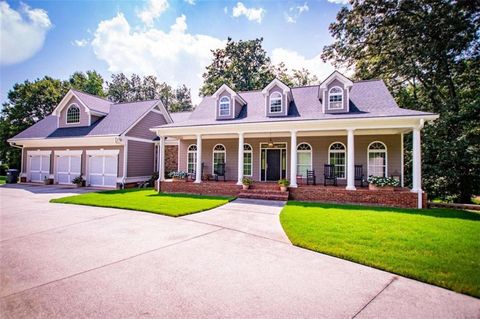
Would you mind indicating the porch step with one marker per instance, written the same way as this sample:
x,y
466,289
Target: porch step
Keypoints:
x,y
268,194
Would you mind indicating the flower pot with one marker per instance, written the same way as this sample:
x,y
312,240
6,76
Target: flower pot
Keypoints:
x,y
378,188
245,187
79,185
283,188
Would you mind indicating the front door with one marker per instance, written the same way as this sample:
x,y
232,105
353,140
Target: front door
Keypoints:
x,y
273,165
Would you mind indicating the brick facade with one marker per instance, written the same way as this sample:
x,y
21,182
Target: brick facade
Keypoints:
x,y
401,198
171,158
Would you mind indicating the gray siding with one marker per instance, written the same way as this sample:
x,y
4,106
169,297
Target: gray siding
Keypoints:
x,y
140,159
345,97
232,106
142,128
84,116
284,102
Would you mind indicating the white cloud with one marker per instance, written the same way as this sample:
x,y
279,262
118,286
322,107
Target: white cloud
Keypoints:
x,y
176,56
252,14
22,32
190,2
79,43
294,12
294,60
339,1
152,11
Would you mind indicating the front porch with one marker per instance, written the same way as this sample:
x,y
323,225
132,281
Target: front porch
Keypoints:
x,y
400,197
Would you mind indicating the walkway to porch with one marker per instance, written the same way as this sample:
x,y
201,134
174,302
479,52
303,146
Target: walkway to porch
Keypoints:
x,y
400,197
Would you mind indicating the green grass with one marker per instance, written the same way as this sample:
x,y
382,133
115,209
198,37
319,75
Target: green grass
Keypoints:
x,y
437,246
3,179
147,200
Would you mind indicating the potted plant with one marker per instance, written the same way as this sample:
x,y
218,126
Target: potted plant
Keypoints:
x,y
284,183
178,176
47,181
247,182
382,183
79,181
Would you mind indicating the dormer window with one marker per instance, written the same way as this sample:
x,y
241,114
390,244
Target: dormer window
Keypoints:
x,y
224,107
335,98
275,102
73,114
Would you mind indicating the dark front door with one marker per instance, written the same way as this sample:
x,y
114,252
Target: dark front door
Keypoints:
x,y
273,165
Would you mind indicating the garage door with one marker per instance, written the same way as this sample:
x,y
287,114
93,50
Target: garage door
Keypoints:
x,y
103,170
68,167
39,167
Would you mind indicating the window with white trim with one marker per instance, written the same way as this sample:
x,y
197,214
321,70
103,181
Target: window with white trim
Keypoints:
x,y
377,159
304,158
275,102
224,106
336,156
191,158
335,98
247,159
219,156
73,114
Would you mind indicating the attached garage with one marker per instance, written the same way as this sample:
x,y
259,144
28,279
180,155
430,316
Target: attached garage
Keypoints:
x,y
102,168
68,166
38,165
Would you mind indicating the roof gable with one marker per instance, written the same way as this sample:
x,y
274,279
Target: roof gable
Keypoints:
x,y
336,76
278,83
234,94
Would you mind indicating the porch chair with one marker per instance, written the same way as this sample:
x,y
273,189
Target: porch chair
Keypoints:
x,y
329,174
220,171
359,174
311,177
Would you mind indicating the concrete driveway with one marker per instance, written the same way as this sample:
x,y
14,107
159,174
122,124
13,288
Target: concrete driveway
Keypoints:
x,y
66,261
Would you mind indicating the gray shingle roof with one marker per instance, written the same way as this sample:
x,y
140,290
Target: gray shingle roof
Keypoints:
x,y
367,99
120,117
94,102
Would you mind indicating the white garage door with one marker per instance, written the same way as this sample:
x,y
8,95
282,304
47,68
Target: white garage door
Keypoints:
x,y
68,167
39,167
103,170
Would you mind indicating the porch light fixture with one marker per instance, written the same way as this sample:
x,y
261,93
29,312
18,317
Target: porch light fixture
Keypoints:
x,y
270,142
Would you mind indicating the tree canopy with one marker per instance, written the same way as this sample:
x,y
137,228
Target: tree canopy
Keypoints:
x,y
245,66
427,52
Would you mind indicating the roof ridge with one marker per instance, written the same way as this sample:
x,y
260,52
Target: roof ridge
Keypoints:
x,y
93,95
369,80
150,100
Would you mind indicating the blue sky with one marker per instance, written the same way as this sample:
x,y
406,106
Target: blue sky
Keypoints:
x,y
169,39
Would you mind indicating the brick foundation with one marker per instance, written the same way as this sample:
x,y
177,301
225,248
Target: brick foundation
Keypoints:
x,y
401,198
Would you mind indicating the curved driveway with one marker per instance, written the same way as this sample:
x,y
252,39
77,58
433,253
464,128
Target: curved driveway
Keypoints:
x,y
67,261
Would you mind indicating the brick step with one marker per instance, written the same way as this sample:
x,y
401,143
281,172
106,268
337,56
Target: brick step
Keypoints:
x,y
275,191
272,186
281,196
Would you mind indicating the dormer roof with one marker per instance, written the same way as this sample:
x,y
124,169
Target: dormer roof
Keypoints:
x,y
234,94
285,88
93,105
336,76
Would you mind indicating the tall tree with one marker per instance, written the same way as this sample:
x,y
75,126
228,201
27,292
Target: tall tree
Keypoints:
x,y
89,82
119,89
27,103
303,77
183,100
428,53
243,65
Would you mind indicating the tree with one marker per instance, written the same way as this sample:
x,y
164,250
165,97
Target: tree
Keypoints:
x,y
27,103
242,65
91,82
303,77
427,51
183,100
119,90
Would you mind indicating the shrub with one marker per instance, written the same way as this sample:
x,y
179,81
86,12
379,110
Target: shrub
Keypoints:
x,y
247,181
3,169
178,174
383,181
284,182
78,180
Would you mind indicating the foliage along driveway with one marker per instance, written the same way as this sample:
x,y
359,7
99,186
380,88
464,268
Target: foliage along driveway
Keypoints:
x,y
72,261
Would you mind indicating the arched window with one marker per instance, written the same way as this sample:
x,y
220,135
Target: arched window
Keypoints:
x,y
275,102
304,158
191,158
219,156
336,156
377,159
73,114
247,159
335,98
224,106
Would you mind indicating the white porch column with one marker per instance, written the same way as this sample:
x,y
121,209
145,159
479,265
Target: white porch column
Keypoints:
x,y
351,160
161,159
417,165
293,159
198,169
241,142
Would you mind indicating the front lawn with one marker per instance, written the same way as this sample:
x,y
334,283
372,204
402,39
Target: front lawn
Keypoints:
x,y
147,200
3,179
438,246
